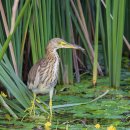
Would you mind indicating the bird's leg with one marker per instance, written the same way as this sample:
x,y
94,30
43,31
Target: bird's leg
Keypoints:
x,y
50,103
33,104
32,108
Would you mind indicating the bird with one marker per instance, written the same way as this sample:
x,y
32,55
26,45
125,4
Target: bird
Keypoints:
x,y
43,75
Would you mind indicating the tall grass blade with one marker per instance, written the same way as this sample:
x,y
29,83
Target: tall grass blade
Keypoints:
x,y
5,46
96,44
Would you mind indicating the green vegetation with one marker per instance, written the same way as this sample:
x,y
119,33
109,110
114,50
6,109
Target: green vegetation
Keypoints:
x,y
99,26
112,109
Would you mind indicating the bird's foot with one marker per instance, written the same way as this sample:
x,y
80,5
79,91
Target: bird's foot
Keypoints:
x,y
31,109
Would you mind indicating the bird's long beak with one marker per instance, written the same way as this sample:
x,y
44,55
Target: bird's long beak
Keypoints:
x,y
77,47
70,46
73,46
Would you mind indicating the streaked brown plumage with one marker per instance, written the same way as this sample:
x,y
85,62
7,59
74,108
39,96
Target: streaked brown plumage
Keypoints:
x,y
43,75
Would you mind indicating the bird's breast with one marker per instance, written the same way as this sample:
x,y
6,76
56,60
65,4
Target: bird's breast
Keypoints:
x,y
50,74
55,69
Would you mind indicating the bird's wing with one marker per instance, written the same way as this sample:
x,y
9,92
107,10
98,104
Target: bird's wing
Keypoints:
x,y
34,75
43,71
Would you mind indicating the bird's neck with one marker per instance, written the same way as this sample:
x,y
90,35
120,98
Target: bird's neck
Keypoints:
x,y
52,54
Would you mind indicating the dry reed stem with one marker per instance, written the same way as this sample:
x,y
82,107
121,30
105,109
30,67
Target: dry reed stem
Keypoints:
x,y
85,31
14,9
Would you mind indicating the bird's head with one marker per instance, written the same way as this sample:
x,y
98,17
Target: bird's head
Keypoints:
x,y
57,43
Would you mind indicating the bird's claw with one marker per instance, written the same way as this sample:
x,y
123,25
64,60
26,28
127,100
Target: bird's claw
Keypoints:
x,y
31,109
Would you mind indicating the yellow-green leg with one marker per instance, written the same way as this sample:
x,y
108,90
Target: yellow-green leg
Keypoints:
x,y
50,103
31,109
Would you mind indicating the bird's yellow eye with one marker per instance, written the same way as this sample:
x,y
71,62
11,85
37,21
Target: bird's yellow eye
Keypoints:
x,y
62,43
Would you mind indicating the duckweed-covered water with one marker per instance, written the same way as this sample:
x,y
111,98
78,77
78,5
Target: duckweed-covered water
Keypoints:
x,y
111,112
